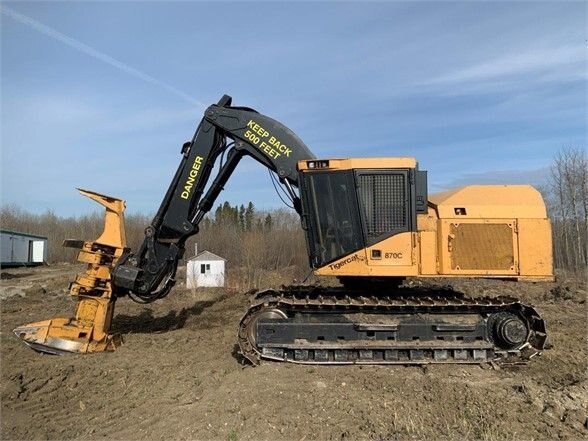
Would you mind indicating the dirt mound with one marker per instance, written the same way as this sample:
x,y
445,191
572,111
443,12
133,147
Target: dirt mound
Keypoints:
x,y
178,376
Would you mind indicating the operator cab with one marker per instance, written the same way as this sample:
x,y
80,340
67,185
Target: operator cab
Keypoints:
x,y
351,204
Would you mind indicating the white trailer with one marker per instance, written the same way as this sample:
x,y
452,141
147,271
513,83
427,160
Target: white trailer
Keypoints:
x,y
22,249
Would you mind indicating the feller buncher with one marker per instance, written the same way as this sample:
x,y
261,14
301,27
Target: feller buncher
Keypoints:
x,y
369,222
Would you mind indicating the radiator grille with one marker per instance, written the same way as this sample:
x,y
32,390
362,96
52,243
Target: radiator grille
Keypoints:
x,y
482,247
384,204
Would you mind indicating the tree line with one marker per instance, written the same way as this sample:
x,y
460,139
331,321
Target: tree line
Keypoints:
x,y
240,217
566,195
256,243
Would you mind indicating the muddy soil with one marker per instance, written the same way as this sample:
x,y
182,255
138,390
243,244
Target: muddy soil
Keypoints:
x,y
178,376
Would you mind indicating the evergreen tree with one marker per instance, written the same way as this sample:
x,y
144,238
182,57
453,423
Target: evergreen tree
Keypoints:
x,y
218,214
242,217
267,223
235,216
249,214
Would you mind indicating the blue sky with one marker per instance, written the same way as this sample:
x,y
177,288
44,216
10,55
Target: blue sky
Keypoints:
x,y
102,95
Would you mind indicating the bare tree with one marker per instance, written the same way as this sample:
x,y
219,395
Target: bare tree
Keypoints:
x,y
568,194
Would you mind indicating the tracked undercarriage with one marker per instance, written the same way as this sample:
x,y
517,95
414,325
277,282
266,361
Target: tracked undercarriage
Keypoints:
x,y
322,325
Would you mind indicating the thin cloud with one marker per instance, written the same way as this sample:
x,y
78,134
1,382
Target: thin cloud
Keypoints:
x,y
88,50
565,59
153,118
535,177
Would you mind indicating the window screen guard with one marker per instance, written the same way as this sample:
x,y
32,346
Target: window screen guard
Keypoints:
x,y
384,200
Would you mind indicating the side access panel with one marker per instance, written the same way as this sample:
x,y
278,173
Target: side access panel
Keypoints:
x,y
479,247
428,264
535,249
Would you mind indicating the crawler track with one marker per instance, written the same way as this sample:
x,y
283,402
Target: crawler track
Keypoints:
x,y
322,325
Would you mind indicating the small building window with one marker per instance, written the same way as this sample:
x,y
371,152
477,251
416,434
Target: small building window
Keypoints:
x,y
204,267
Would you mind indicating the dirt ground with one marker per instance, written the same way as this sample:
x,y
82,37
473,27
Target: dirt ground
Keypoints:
x,y
178,377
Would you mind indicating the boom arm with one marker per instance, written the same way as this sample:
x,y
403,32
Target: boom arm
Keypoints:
x,y
234,131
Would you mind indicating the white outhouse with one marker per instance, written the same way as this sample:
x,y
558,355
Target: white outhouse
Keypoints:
x,y
205,269
22,249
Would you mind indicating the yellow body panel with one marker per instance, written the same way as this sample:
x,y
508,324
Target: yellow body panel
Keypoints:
x,y
398,258
428,253
535,243
361,163
490,202
474,231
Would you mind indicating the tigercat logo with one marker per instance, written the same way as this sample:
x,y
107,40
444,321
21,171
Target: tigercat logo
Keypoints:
x,y
191,177
341,263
